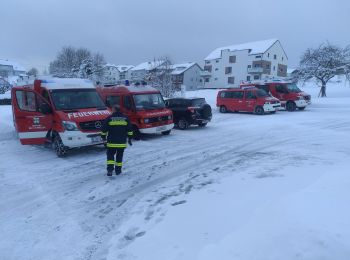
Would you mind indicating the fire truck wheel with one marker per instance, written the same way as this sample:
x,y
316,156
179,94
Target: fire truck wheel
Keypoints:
x,y
223,109
182,124
290,106
259,110
59,147
166,132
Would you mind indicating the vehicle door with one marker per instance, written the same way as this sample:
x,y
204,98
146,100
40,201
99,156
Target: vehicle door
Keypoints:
x,y
33,116
250,101
128,108
112,101
281,92
237,101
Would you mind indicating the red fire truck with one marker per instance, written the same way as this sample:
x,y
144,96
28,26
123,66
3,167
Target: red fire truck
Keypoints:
x,y
288,93
65,112
144,105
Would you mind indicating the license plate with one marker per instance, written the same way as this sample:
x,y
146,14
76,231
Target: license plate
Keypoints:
x,y
96,139
160,128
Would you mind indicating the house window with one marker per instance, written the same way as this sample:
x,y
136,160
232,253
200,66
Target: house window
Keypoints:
x,y
216,79
258,57
217,61
274,68
207,62
231,80
208,68
282,58
248,78
256,77
228,70
206,79
232,59
275,57
216,69
268,55
249,66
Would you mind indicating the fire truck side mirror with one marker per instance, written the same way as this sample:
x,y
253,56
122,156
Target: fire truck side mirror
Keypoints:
x,y
45,108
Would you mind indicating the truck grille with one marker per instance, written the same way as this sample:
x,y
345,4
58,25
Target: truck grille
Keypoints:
x,y
158,119
91,125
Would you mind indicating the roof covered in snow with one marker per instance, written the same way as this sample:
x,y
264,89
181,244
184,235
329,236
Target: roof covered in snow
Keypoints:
x,y
148,65
66,83
123,68
254,47
181,68
16,66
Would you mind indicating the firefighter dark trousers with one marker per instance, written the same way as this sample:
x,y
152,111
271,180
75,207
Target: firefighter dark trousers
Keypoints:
x,y
114,158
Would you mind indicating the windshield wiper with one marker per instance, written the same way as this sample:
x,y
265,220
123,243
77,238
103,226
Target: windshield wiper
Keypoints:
x,y
101,108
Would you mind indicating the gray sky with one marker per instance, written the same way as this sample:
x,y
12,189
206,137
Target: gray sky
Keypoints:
x,y
133,31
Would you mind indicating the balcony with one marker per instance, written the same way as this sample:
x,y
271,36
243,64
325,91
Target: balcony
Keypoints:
x,y
256,70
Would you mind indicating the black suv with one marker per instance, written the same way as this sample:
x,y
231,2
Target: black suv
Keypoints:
x,y
189,111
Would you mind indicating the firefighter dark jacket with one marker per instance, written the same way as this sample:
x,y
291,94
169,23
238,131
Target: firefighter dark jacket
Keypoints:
x,y
116,129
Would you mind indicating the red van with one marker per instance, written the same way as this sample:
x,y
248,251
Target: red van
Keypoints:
x,y
144,105
65,112
288,93
248,99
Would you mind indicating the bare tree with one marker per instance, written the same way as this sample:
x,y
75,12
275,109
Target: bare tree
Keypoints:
x,y
322,63
33,72
159,76
71,62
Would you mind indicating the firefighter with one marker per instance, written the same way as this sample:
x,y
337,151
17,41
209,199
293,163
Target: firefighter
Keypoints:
x,y
117,131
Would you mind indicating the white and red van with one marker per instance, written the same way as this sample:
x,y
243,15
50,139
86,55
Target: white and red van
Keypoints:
x,y
288,93
144,105
65,112
246,99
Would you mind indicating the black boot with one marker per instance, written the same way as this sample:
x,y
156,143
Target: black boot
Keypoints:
x,y
118,170
109,172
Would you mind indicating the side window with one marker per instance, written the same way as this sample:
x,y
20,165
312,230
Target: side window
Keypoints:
x,y
263,87
127,102
113,100
237,94
26,100
280,89
250,95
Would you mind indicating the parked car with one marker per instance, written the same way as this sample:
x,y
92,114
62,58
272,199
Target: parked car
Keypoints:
x,y
144,105
290,96
248,99
189,111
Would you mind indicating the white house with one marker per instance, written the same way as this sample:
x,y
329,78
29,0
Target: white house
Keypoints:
x,y
114,74
229,66
188,74
139,72
10,68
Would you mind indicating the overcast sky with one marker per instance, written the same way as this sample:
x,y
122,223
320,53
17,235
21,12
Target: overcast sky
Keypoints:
x,y
133,31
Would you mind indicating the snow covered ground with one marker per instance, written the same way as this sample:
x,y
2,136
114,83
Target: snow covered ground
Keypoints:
x,y
246,187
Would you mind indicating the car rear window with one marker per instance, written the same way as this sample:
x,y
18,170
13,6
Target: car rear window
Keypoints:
x,y
198,102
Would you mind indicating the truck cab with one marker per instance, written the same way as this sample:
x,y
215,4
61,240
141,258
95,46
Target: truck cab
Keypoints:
x,y
144,105
247,99
288,93
65,112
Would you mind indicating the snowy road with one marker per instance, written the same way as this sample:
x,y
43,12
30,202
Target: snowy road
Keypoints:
x,y
66,208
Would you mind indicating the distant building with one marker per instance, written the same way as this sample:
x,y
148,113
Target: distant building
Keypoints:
x,y
141,71
188,74
10,68
229,66
116,74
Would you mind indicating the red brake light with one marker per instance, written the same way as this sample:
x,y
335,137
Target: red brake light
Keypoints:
x,y
192,109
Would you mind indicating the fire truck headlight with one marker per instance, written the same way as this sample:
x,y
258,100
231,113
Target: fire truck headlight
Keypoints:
x,y
70,126
146,120
170,117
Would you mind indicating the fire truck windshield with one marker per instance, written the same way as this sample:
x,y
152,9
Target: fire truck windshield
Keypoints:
x,y
69,99
293,88
148,101
262,93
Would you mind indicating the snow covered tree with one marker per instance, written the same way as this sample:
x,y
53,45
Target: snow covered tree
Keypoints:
x,y
71,62
160,76
33,72
322,64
